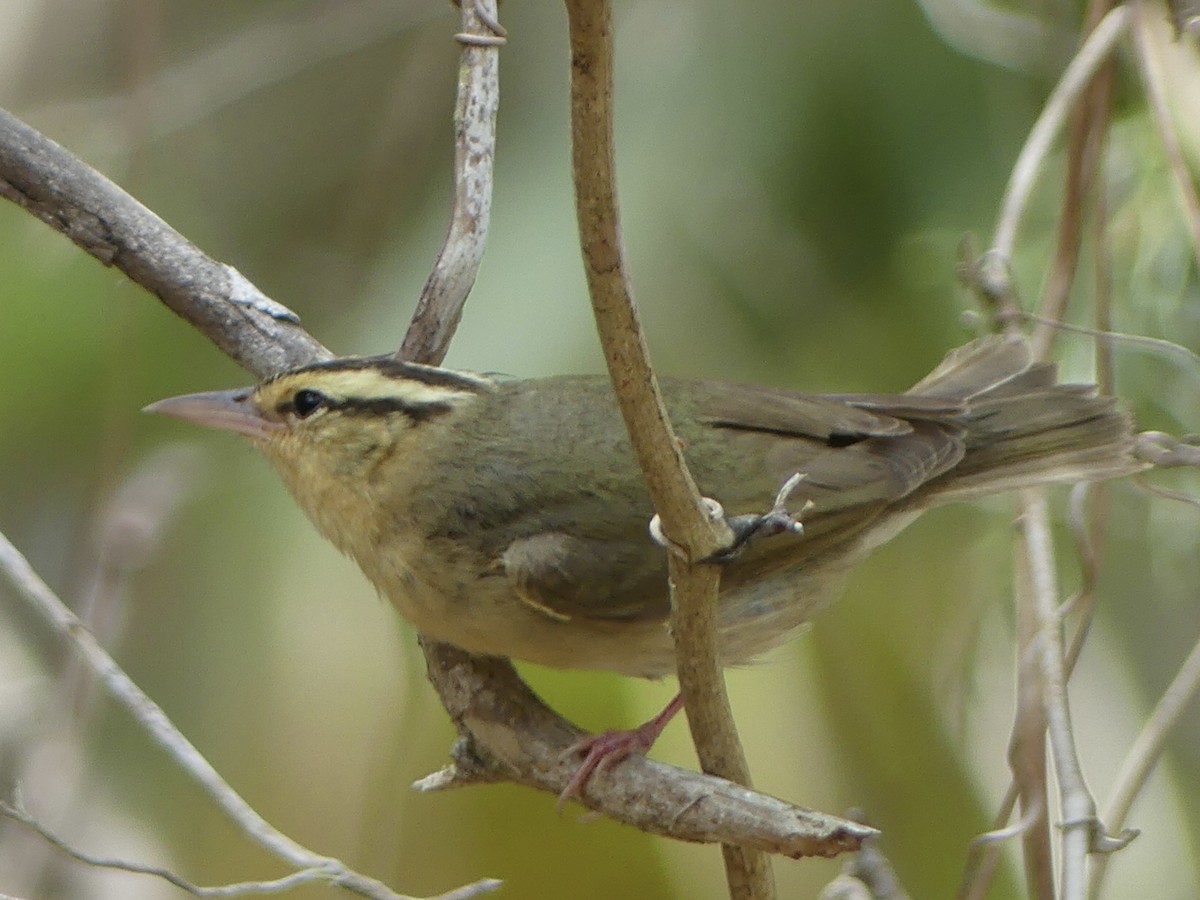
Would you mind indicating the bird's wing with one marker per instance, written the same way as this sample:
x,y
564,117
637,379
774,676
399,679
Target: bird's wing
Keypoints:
x,y
568,577
778,411
874,469
851,449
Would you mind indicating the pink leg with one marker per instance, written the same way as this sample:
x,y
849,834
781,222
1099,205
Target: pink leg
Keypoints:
x,y
602,750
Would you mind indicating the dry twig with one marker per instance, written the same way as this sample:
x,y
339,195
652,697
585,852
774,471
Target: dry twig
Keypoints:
x,y
1154,81
29,586
1042,699
440,305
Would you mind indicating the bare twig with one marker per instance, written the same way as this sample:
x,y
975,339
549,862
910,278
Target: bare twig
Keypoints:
x,y
18,814
240,889
1145,752
983,854
994,277
1086,140
441,303
1041,681
676,499
1170,351
25,582
1166,451
50,760
1082,831
1165,493
1027,746
870,870
1086,519
511,735
984,851
1155,83
1102,309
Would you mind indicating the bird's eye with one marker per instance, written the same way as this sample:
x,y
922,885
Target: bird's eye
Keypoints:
x,y
306,402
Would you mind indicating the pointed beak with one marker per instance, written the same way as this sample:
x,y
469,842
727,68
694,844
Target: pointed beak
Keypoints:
x,y
228,410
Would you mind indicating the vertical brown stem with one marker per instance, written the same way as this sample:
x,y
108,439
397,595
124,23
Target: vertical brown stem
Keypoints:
x,y
1086,140
693,535
1027,752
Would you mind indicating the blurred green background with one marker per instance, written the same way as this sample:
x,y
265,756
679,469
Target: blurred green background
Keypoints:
x,y
795,180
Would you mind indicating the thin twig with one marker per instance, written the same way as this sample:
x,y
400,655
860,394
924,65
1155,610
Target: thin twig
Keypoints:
x,y
127,533
1155,83
983,854
441,303
676,499
1082,831
239,889
1146,750
1062,100
1027,746
18,814
1165,493
1086,140
29,586
1041,683
1170,351
1102,304
1145,753
1086,519
874,871
984,850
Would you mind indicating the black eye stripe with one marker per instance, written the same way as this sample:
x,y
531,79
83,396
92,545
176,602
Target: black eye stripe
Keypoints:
x,y
382,406
306,401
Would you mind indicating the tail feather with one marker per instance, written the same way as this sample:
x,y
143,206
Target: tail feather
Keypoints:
x,y
982,365
1022,427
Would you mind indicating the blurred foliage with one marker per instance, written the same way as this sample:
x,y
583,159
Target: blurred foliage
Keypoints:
x,y
796,178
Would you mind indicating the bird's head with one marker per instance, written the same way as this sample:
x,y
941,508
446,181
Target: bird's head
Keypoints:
x,y
337,419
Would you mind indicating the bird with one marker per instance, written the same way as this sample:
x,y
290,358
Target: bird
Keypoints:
x,y
508,516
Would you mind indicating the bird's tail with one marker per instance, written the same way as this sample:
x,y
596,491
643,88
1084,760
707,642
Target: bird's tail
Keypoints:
x,y
1023,427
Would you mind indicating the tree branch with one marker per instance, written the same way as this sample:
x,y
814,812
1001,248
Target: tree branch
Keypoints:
x,y
441,302
511,735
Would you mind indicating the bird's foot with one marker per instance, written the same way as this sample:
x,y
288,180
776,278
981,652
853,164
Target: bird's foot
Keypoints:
x,y
600,751
775,520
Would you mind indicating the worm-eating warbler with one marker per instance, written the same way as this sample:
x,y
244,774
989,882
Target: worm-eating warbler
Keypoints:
x,y
509,517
